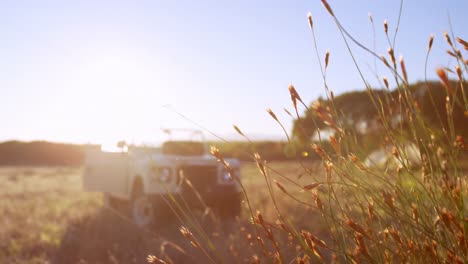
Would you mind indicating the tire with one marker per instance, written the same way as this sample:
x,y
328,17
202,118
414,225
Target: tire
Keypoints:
x,y
142,209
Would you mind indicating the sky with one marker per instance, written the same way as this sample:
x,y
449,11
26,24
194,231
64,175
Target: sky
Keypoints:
x,y
103,71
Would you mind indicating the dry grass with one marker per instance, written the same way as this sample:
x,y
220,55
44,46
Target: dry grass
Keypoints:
x,y
46,217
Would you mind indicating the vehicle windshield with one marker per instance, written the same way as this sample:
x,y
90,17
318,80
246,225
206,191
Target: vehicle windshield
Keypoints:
x,y
184,148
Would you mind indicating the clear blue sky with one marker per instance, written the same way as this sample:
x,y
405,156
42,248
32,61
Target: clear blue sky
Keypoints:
x,y
100,71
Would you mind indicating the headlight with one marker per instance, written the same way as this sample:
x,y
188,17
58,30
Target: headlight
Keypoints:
x,y
164,175
161,175
227,177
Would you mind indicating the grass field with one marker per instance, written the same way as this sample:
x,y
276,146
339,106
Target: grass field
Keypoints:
x,y
47,218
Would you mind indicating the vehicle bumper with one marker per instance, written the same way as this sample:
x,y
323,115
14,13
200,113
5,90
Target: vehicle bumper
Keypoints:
x,y
214,197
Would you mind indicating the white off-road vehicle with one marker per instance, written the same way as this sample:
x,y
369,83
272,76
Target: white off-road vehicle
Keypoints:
x,y
147,182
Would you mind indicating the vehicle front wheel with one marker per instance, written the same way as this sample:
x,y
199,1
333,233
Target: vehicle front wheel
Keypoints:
x,y
142,210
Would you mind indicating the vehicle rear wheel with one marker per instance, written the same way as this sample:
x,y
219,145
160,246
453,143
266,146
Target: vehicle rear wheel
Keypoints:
x,y
142,210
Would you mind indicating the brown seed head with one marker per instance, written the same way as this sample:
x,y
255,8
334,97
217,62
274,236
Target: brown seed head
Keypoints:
x,y
309,18
255,259
464,43
389,200
188,235
371,18
386,82
385,24
329,168
392,55
281,187
272,114
311,186
403,69
444,79
371,210
384,60
415,212
451,54
318,201
260,219
327,56
460,142
238,130
356,227
294,96
320,152
335,144
281,225
327,6
459,72
431,40
395,152
396,235
357,162
444,216
361,246
215,152
260,164
154,259
447,38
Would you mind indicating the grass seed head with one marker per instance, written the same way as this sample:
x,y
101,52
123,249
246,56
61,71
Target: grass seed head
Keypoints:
x,y
309,18
154,259
320,152
460,142
447,38
318,201
189,236
260,219
281,187
272,114
444,79
392,55
356,227
386,82
260,164
463,42
384,60
395,152
459,72
403,69
327,57
451,54
414,210
431,41
215,152
327,6
238,130
294,95
354,159
311,186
